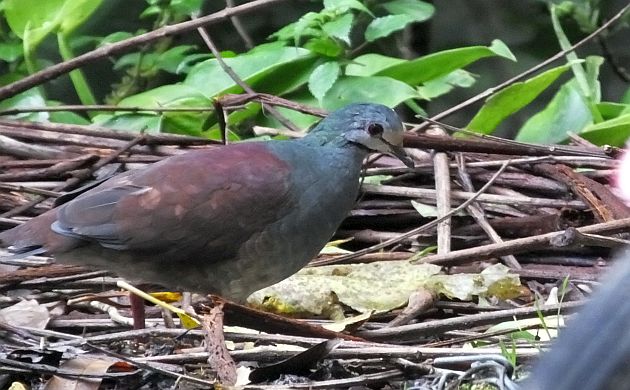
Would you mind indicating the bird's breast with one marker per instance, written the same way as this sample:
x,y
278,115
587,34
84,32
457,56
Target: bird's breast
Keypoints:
x,y
323,190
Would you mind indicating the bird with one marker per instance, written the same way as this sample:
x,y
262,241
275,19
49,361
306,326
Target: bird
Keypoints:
x,y
227,220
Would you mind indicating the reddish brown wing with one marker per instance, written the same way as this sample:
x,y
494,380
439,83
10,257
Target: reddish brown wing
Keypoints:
x,y
204,199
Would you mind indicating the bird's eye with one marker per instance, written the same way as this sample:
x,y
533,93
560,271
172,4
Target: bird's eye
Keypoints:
x,y
375,129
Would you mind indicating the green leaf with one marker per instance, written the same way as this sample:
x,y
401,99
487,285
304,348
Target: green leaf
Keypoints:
x,y
501,49
132,60
417,9
33,20
383,90
27,99
303,27
68,117
81,86
386,25
445,84
370,64
610,110
325,46
75,12
340,27
115,37
344,5
578,71
323,78
567,111
592,65
149,123
173,95
186,7
511,99
209,78
10,51
167,96
438,64
613,132
171,59
152,10
285,78
186,64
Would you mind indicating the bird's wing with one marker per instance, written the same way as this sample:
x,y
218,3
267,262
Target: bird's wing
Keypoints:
x,y
211,198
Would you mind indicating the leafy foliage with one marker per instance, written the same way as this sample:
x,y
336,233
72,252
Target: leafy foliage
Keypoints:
x,y
326,59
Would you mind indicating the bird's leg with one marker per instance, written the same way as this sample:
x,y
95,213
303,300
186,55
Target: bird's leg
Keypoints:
x,y
137,311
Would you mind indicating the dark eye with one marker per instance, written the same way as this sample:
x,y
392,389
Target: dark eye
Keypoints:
x,y
375,129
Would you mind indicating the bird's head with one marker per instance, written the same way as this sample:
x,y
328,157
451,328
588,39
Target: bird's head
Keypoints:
x,y
372,126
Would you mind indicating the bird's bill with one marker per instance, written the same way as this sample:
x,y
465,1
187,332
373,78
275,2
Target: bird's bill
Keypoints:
x,y
399,153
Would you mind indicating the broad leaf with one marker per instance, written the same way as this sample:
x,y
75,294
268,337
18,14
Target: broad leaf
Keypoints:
x,y
613,132
167,96
323,78
386,25
592,65
370,64
305,26
443,85
567,111
325,46
383,90
210,79
311,289
27,99
68,117
186,7
75,12
10,51
511,99
149,123
610,110
419,10
438,64
340,27
344,5
32,20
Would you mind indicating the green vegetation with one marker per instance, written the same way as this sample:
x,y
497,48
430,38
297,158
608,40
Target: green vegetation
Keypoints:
x,y
324,59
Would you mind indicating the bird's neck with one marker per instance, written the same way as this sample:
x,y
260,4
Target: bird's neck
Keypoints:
x,y
336,141
324,138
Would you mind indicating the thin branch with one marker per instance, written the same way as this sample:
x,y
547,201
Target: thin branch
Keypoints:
x,y
508,146
228,100
436,327
443,195
74,181
520,245
477,212
619,69
102,107
230,72
415,231
238,26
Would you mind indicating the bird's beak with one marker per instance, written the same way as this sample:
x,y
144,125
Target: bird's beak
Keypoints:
x,y
399,153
